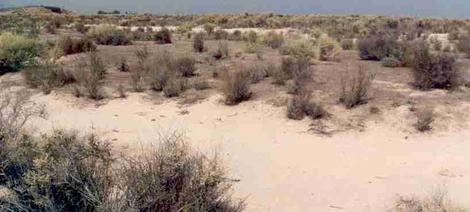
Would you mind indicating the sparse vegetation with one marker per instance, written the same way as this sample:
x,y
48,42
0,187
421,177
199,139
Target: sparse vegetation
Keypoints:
x,y
222,51
436,202
301,105
274,40
185,66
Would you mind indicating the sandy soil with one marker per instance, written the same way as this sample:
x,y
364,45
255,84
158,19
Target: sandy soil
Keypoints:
x,y
282,165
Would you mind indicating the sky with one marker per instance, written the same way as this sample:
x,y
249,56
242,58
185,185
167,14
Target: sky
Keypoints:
x,y
421,8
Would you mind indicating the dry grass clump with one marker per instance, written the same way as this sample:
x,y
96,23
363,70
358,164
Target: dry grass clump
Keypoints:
x,y
108,35
259,71
437,202
17,51
66,46
236,87
355,88
425,117
220,34
198,42
434,70
301,105
390,62
163,36
123,66
274,40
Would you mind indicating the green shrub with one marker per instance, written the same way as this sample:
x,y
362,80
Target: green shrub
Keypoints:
x,y
108,35
163,36
236,36
252,37
434,70
16,51
258,71
355,88
209,28
236,87
198,42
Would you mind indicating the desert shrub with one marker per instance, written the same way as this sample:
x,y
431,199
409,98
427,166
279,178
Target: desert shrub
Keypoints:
x,y
90,75
221,34
137,79
61,172
198,42
66,45
209,28
236,87
355,88
163,36
434,70
274,40
162,70
16,51
236,36
252,48
251,37
258,71
425,117
347,44
290,66
301,105
463,45
329,48
121,91
179,178
123,66
68,172
298,48
200,84
379,47
436,202
185,65
390,62
222,51
45,76
81,28
302,75
108,35
174,86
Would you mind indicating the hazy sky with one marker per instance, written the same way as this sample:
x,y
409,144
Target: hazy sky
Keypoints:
x,y
431,8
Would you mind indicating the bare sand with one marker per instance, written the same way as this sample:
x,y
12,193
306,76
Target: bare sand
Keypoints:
x,y
281,164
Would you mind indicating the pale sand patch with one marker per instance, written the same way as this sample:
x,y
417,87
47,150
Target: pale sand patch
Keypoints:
x,y
282,166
